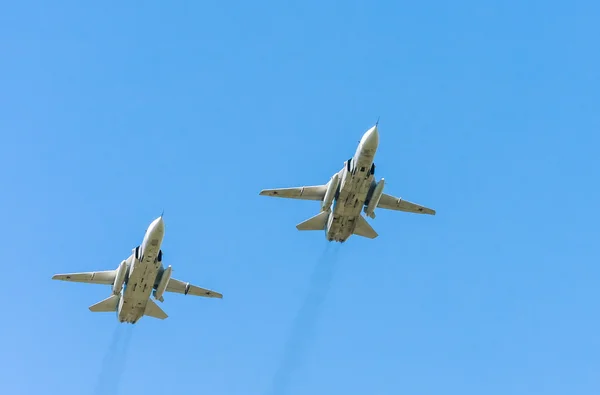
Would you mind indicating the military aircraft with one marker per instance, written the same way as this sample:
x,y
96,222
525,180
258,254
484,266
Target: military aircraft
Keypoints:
x,y
135,278
350,189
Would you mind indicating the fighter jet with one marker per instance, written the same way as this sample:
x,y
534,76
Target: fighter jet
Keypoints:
x,y
138,275
349,190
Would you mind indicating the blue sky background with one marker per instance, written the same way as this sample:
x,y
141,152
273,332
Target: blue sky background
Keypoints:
x,y
113,111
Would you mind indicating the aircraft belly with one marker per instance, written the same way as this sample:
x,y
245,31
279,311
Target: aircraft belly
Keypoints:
x,y
348,207
139,286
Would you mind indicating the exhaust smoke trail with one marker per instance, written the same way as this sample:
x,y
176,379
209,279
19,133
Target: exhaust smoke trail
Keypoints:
x,y
306,319
114,361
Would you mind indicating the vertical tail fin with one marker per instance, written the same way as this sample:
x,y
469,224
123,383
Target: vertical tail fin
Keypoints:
x,y
107,305
363,228
317,222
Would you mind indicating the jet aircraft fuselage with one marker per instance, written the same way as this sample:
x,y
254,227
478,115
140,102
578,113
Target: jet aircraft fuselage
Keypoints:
x,y
357,180
144,266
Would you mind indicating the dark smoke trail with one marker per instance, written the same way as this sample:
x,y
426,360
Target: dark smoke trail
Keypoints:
x,y
306,320
121,359
113,363
102,384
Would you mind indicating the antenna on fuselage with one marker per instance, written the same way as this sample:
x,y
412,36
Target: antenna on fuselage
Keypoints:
x,y
377,123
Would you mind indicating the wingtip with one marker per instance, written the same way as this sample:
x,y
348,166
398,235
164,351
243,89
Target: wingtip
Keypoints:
x,y
217,295
213,294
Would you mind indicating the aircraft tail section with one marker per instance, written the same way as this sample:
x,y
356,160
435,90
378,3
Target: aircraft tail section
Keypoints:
x,y
153,310
364,229
317,222
107,305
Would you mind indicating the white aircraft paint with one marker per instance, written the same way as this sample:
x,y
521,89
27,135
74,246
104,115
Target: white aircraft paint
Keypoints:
x,y
352,188
135,279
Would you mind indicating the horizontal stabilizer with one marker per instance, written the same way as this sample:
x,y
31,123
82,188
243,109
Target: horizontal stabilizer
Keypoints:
x,y
316,192
107,305
390,202
180,287
317,222
363,228
104,277
152,310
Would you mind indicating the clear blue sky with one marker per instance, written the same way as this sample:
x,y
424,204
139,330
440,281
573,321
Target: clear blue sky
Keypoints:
x,y
112,112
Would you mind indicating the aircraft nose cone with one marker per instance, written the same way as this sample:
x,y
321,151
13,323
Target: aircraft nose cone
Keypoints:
x,y
159,225
371,138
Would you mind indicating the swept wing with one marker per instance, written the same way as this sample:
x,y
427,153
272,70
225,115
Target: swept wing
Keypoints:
x,y
314,192
390,202
106,277
181,287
